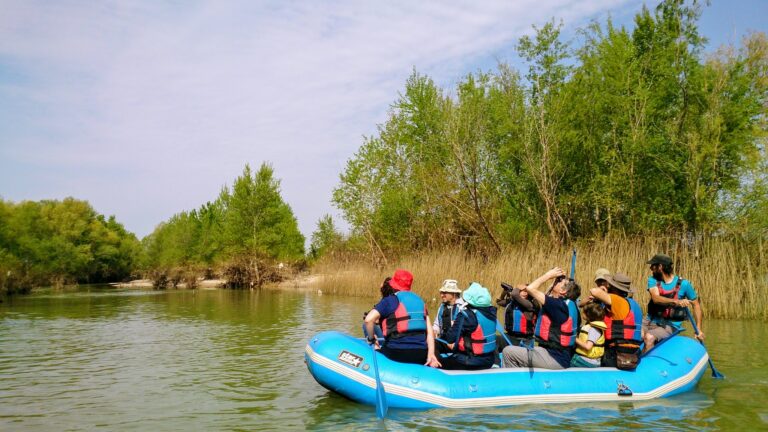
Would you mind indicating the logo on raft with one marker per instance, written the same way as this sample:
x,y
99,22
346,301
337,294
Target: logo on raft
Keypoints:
x,y
350,359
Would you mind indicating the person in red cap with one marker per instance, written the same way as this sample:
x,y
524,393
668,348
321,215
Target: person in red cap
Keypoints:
x,y
408,334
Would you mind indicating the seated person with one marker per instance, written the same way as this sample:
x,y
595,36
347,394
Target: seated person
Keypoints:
x,y
520,312
591,339
450,294
555,328
385,290
408,336
473,335
623,322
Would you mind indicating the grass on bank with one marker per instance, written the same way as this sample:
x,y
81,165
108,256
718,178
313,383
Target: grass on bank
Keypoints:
x,y
730,277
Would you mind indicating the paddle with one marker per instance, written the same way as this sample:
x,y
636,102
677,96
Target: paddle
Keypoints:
x,y
573,265
381,397
715,373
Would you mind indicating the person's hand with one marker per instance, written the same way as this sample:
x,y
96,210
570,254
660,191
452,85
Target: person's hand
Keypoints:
x,y
700,336
555,272
432,361
683,303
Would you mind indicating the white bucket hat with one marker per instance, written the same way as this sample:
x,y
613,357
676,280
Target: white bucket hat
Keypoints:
x,y
450,286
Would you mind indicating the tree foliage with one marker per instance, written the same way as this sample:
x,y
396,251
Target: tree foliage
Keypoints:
x,y
56,242
636,131
249,221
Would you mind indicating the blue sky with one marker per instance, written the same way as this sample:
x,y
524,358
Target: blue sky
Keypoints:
x,y
148,108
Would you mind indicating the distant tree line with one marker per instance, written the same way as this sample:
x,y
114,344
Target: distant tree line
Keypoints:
x,y
635,132
246,228
54,242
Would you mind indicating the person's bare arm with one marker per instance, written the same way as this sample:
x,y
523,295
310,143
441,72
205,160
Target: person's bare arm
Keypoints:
x,y
698,315
431,358
370,321
661,300
601,295
533,287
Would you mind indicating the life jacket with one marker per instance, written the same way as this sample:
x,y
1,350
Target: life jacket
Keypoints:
x,y
516,322
598,347
667,312
409,317
627,330
562,337
447,315
482,340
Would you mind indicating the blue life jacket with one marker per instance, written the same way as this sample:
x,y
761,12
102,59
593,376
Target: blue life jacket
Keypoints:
x,y
482,340
409,317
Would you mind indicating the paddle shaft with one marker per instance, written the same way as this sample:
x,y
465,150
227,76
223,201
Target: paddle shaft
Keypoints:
x,y
715,373
381,397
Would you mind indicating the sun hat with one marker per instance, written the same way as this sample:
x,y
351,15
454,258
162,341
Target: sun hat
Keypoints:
x,y
450,286
620,281
601,273
477,295
401,280
660,259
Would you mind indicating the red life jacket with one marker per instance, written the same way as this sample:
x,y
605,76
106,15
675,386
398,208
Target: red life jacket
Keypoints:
x,y
667,312
409,317
562,337
517,322
626,330
483,337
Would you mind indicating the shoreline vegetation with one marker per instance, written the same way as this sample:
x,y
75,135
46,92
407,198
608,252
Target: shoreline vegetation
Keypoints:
x,y
634,142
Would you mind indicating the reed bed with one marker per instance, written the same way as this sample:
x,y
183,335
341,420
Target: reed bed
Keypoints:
x,y
730,276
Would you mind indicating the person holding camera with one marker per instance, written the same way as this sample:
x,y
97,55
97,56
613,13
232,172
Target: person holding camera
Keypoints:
x,y
556,326
520,312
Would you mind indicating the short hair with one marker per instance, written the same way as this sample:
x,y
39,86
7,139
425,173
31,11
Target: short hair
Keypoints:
x,y
594,311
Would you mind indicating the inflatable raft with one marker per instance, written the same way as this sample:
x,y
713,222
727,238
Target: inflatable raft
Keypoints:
x,y
343,364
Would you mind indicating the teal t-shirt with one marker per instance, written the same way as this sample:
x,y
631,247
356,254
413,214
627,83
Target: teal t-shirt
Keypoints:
x,y
686,292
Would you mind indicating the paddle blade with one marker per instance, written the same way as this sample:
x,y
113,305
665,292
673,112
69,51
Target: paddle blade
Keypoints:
x,y
381,396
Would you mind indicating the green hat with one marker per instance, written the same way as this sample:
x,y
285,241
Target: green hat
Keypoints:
x,y
660,259
477,295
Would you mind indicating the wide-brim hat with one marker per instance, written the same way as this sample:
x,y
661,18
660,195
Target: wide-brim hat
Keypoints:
x,y
477,295
601,273
660,259
450,286
401,280
620,281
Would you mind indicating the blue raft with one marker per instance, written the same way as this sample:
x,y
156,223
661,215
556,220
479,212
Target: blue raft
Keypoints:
x,y
343,364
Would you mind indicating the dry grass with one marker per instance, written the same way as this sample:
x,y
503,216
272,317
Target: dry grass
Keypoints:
x,y
729,276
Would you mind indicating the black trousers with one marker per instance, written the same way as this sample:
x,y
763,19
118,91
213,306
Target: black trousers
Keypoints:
x,y
417,356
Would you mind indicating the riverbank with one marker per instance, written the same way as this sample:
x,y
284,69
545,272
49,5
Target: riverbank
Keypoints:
x,y
298,282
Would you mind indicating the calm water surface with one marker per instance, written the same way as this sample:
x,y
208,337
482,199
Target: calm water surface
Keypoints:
x,y
104,359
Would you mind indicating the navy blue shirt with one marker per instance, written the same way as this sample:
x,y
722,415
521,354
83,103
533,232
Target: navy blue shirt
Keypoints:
x,y
557,310
387,307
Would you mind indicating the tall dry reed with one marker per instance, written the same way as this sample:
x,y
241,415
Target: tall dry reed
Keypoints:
x,y
730,276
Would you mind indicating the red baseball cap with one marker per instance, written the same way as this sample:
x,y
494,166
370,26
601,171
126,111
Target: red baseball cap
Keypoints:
x,y
401,280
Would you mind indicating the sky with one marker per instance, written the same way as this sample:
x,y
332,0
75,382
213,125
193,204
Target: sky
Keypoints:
x,y
148,108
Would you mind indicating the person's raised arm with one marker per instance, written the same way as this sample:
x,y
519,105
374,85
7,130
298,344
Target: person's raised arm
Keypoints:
x,y
525,304
533,287
601,295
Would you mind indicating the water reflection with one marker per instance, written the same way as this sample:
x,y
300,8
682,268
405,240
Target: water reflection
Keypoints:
x,y
100,358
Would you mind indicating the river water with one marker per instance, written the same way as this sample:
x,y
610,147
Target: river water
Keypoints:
x,y
98,358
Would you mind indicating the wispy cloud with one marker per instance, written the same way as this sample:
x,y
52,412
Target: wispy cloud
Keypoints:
x,y
147,110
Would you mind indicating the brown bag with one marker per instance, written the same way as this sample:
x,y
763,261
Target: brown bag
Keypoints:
x,y
627,361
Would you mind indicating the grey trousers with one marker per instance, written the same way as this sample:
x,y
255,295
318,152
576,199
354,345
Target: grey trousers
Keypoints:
x,y
516,356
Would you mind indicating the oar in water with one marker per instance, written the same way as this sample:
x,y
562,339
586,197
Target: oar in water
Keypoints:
x,y
381,397
715,373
